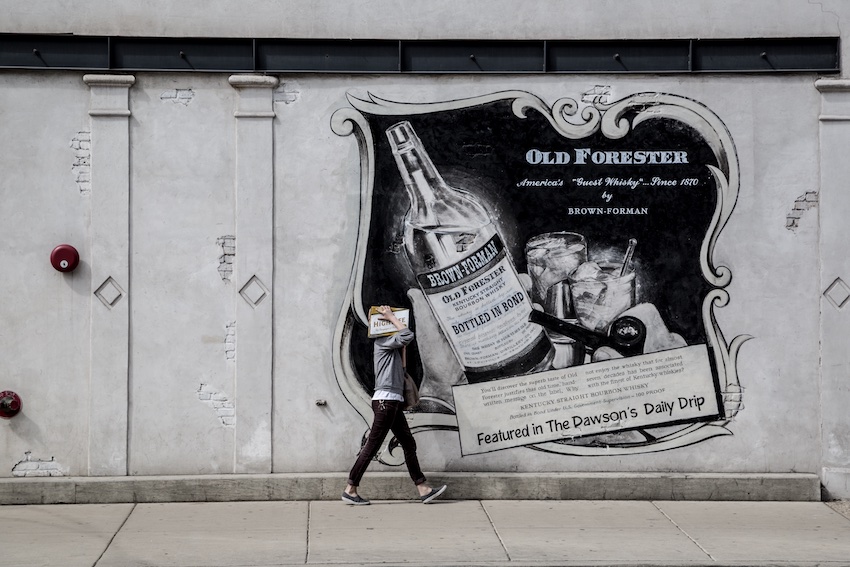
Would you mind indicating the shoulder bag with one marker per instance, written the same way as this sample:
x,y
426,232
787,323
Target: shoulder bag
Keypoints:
x,y
411,391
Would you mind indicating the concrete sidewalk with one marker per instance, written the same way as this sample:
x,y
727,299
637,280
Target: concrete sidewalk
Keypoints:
x,y
464,533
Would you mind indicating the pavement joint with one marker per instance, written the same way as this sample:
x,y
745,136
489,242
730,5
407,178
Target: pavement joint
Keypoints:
x,y
307,533
114,535
685,532
496,531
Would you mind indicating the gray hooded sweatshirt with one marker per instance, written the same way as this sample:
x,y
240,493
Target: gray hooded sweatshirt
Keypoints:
x,y
389,373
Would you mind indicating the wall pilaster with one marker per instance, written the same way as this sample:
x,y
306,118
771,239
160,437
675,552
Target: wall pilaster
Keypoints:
x,y
835,286
254,271
110,258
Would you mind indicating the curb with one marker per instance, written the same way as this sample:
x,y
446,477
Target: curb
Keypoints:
x,y
397,486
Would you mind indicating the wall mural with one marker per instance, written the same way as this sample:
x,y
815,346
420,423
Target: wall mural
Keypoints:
x,y
558,263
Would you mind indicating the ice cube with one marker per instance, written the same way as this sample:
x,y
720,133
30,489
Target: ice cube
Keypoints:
x,y
556,255
550,243
609,272
536,269
536,255
587,271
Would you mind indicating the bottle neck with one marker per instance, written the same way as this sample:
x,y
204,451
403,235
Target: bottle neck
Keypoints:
x,y
434,205
423,182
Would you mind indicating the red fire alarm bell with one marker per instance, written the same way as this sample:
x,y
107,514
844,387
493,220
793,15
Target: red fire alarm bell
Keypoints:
x,y
65,258
10,404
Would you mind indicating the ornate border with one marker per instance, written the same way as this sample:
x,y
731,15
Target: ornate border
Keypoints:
x,y
614,120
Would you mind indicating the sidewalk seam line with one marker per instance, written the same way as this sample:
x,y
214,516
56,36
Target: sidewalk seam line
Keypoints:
x,y
495,530
307,547
109,543
678,527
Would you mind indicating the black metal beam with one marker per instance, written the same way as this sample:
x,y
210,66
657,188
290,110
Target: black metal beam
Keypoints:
x,y
101,53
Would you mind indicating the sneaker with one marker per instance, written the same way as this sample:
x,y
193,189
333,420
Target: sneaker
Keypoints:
x,y
431,496
354,500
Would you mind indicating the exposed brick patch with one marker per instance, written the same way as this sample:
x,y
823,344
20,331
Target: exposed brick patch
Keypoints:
x,y
733,400
228,253
38,467
287,93
803,203
81,167
230,340
599,94
178,96
224,408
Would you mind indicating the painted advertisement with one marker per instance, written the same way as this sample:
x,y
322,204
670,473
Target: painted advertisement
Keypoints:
x,y
558,264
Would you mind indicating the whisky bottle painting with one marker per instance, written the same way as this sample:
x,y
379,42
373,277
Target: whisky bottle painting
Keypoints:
x,y
461,264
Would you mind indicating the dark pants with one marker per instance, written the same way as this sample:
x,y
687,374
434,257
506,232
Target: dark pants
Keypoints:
x,y
389,416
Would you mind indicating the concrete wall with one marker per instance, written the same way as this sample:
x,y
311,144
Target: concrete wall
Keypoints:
x,y
184,163
46,320
584,19
211,186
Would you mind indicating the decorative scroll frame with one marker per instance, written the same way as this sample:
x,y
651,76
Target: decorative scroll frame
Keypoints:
x,y
614,120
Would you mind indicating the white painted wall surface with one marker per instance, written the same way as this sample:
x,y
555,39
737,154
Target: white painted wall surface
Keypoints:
x,y
44,314
182,202
440,19
183,408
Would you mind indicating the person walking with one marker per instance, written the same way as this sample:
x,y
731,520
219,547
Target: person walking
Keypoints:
x,y
388,407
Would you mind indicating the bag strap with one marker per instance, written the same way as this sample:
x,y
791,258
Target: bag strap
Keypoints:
x,y
404,357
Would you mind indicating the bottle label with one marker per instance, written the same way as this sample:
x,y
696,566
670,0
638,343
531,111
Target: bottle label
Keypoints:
x,y
482,307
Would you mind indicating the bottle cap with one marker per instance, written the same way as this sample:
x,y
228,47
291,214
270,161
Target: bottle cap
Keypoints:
x,y
628,335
